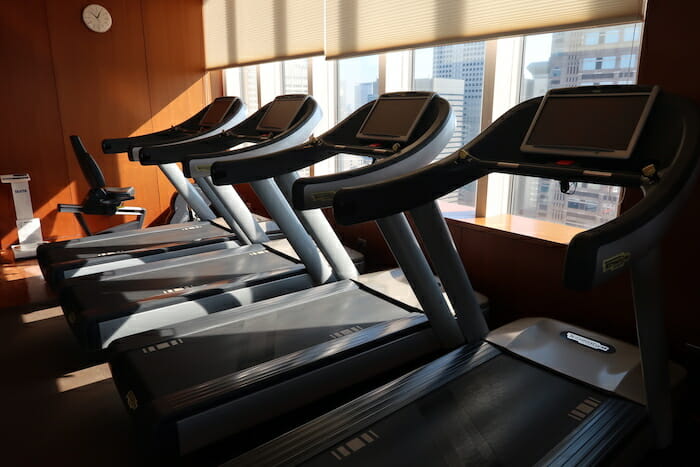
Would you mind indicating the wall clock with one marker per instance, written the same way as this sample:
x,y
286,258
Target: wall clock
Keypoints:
x,y
97,18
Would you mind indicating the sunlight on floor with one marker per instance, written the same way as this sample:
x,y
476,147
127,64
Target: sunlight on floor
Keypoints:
x,y
40,315
13,273
83,377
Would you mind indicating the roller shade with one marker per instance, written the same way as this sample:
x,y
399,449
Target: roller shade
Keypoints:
x,y
357,27
243,32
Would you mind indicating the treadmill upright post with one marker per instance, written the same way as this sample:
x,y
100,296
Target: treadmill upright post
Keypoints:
x,y
242,215
185,188
304,246
317,225
203,183
404,246
651,337
450,269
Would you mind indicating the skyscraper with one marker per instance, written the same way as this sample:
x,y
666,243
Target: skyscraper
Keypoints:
x,y
458,76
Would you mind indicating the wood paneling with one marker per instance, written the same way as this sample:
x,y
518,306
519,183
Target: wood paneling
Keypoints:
x,y
31,123
175,64
102,84
669,58
143,75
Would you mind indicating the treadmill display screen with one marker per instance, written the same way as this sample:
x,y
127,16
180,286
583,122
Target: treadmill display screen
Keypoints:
x,y
216,112
604,125
393,118
281,113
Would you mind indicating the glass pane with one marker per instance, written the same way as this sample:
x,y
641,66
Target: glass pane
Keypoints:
x,y
249,87
232,82
295,76
565,59
358,84
295,80
456,72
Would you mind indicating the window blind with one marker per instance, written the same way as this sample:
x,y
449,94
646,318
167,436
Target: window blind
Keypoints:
x,y
244,32
358,27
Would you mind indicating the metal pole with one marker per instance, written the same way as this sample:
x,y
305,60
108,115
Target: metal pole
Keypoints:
x,y
651,336
304,246
241,214
404,246
318,227
441,249
225,213
188,192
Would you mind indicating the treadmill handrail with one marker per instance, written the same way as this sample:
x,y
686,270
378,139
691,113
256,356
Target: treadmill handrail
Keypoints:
x,y
186,130
298,134
314,192
588,251
226,141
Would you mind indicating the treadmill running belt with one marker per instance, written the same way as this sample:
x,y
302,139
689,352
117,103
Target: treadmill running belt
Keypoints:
x,y
244,265
270,334
453,425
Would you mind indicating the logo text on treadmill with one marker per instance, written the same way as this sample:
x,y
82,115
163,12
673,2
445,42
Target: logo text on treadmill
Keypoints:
x,y
616,262
588,342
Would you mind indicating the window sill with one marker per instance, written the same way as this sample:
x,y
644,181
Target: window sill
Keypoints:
x,y
523,226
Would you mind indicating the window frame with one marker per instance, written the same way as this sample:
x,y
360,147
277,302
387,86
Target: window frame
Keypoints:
x,y
503,58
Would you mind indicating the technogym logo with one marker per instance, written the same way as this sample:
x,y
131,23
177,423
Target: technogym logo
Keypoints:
x,y
588,342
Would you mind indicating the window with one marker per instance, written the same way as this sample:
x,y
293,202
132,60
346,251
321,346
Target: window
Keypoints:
x,y
628,61
587,205
632,33
608,63
520,68
612,36
591,38
456,72
358,84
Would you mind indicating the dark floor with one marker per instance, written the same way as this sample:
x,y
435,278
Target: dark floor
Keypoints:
x,y
61,408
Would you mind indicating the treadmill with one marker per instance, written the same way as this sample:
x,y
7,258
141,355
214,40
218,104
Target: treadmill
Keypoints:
x,y
103,307
205,380
72,258
536,391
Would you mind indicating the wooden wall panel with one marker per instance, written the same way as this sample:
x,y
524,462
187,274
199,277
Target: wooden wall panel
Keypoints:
x,y
522,277
145,74
102,84
175,63
669,58
30,119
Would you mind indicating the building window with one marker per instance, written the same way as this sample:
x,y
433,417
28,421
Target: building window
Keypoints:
x,y
456,73
358,84
628,61
632,33
588,204
591,38
611,36
521,68
588,64
608,63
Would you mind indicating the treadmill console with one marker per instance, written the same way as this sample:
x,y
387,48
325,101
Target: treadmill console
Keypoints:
x,y
216,112
393,117
602,122
281,113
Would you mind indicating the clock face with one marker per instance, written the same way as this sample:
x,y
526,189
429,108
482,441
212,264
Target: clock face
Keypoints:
x,y
97,18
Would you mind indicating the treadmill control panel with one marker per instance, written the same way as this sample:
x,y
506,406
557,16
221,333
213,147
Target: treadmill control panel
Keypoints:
x,y
393,117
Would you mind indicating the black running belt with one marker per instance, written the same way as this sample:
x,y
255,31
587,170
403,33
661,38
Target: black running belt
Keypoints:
x,y
441,414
